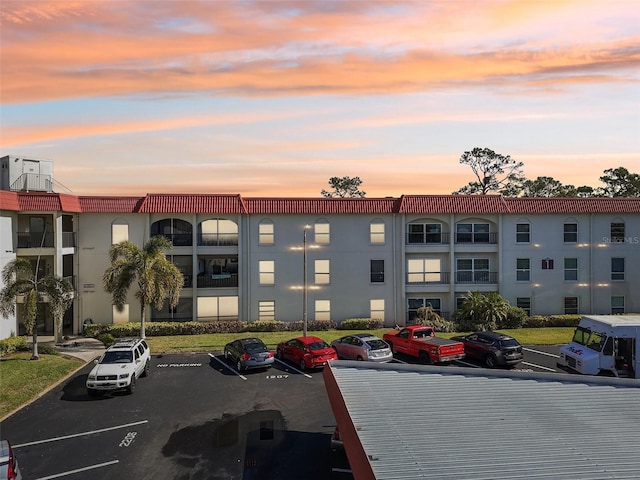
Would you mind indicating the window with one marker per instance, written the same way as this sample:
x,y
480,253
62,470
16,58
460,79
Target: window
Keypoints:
x,y
376,307
617,268
571,305
523,269
472,233
217,308
472,270
119,233
376,232
414,304
524,303
217,232
121,317
617,304
377,271
617,232
321,272
570,233
424,270
571,269
267,310
523,233
178,231
267,273
321,230
266,230
421,233
547,264
323,310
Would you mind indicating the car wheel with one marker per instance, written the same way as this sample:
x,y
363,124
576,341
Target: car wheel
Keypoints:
x,y
359,358
303,365
278,354
239,365
424,358
92,392
132,385
490,361
145,372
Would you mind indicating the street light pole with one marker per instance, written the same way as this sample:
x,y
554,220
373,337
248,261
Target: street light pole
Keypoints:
x,y
304,282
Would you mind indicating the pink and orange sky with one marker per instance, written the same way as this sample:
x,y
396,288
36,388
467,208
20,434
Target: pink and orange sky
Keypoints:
x,y
272,98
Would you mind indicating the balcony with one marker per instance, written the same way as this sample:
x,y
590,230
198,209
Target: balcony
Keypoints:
x,y
217,239
217,280
179,239
476,278
35,239
428,278
438,238
476,238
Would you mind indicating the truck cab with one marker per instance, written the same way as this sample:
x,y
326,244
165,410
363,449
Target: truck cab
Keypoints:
x,y
603,345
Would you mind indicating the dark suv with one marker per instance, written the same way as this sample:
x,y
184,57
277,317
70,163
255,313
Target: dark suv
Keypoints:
x,y
492,348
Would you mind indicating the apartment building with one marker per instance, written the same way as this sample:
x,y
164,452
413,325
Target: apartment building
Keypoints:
x,y
331,259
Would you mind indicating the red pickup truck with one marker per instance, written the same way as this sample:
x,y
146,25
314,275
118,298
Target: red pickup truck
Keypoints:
x,y
420,341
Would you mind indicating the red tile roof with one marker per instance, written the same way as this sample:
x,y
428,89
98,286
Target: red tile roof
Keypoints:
x,y
452,204
110,204
9,201
321,205
235,204
187,203
573,205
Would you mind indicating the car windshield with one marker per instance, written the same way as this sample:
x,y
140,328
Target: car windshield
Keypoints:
x,y
376,344
318,345
511,342
117,357
255,347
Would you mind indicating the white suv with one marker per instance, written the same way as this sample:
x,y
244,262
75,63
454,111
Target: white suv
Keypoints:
x,y
120,366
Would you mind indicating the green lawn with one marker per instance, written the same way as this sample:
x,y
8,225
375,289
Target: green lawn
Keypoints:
x,y
22,380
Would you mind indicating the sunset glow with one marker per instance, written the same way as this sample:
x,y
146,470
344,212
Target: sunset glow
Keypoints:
x,y
272,98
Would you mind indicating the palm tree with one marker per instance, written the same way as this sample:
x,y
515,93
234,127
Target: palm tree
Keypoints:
x,y
157,277
20,280
483,310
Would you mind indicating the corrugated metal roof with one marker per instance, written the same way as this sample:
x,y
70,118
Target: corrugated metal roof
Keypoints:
x,y
192,203
110,204
321,205
449,423
573,205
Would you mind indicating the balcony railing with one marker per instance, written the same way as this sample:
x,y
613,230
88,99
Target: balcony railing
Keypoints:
x,y
426,278
217,239
217,280
477,237
178,239
35,240
477,277
427,238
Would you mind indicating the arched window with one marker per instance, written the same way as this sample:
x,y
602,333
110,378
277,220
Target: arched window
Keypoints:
x,y
217,232
178,231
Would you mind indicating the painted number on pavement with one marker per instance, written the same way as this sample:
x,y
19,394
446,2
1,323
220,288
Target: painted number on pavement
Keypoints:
x,y
128,439
273,377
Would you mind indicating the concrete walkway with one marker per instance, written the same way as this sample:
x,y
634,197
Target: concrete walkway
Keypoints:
x,y
84,348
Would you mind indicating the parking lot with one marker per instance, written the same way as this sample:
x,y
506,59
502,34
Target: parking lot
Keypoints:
x,y
194,417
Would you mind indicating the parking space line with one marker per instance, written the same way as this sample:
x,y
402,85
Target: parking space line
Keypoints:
x,y
539,366
225,364
78,470
92,432
541,353
293,368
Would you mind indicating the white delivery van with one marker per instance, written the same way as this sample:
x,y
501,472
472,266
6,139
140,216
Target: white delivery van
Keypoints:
x,y
604,345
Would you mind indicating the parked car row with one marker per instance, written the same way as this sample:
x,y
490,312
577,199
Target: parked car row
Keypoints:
x,y
492,348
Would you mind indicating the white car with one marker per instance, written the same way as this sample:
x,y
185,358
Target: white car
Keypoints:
x,y
119,367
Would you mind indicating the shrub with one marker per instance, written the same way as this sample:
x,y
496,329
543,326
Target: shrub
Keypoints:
x,y
539,321
265,326
516,318
47,350
107,339
13,344
360,324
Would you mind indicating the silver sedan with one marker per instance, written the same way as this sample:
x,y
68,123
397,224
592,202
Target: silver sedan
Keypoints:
x,y
362,346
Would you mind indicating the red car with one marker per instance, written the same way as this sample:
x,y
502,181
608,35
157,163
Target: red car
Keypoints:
x,y
307,352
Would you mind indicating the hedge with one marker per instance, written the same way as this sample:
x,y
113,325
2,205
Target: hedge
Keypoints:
x,y
13,344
